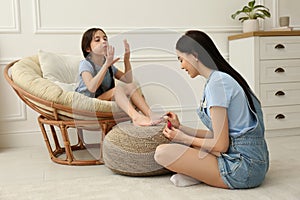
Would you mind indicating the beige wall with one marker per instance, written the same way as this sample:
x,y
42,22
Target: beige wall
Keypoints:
x,y
151,27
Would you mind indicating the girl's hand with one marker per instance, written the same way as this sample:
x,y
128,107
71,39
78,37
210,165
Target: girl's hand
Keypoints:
x,y
175,135
110,56
127,50
173,119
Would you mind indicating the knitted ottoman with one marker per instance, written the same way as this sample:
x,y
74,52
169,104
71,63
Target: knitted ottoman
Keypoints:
x,y
129,150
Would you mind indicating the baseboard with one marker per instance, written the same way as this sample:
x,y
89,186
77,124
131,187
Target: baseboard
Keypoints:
x,y
24,139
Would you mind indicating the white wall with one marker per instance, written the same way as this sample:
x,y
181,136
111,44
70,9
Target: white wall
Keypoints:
x,y
151,27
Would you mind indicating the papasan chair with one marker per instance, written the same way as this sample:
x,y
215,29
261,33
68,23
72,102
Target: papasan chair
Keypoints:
x,y
45,82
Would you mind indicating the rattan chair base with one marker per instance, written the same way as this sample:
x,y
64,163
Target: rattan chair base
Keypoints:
x,y
56,150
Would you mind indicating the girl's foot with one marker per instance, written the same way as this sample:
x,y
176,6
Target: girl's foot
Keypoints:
x,y
157,118
141,120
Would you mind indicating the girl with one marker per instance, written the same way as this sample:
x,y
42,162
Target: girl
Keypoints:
x,y
232,153
97,74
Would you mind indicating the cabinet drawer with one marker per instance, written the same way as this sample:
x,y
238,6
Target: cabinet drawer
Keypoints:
x,y
279,47
280,94
278,71
281,117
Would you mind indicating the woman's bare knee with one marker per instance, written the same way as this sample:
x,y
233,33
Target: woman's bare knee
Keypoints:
x,y
166,154
160,154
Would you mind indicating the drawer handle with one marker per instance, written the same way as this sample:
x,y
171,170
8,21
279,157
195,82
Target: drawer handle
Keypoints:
x,y
279,93
280,116
279,70
279,46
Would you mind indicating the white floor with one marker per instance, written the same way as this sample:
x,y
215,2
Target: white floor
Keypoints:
x,y
28,173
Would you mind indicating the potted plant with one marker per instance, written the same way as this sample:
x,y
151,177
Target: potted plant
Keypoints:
x,y
251,14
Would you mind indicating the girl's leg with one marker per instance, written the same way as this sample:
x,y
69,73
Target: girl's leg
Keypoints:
x,y
108,95
121,96
139,101
188,161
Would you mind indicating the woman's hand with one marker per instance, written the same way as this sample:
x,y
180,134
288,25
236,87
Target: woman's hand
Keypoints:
x,y
127,50
175,135
110,56
173,119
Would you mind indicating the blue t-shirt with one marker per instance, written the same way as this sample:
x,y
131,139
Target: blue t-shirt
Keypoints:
x,y
224,91
86,66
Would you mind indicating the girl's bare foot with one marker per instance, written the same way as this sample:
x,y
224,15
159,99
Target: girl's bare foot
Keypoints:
x,y
157,118
141,120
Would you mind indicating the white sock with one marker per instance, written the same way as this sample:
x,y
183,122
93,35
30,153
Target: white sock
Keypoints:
x,y
182,180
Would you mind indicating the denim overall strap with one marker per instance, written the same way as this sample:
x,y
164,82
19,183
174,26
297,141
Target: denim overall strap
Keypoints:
x,y
201,110
259,129
258,113
206,120
203,116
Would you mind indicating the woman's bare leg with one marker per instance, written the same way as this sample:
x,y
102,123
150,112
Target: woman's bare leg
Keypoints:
x,y
186,160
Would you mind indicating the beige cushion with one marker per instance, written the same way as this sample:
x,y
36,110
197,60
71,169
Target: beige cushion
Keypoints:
x,y
27,74
61,69
129,150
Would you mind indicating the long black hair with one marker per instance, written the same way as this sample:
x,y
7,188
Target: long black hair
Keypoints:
x,y
201,45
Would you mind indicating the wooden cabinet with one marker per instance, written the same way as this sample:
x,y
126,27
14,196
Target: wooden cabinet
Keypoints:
x,y
270,62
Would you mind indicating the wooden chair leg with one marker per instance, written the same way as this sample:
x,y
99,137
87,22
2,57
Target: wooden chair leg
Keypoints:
x,y
105,128
55,139
80,143
67,144
46,139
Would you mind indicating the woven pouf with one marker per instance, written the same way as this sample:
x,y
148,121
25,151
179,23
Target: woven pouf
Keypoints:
x,y
129,150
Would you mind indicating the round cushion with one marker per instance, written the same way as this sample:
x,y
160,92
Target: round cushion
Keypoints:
x,y
129,150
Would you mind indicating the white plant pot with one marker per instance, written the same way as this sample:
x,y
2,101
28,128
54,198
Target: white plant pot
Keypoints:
x,y
250,25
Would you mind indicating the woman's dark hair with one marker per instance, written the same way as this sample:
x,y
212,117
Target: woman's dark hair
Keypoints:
x,y
201,45
87,38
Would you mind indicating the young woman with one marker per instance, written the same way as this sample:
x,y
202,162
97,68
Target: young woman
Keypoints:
x,y
97,76
232,153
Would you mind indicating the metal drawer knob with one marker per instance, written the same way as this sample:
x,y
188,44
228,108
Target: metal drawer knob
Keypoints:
x,y
279,46
279,93
280,116
279,70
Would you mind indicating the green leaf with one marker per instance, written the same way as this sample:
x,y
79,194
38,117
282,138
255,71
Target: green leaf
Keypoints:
x,y
242,19
260,6
259,15
266,13
233,16
251,4
246,9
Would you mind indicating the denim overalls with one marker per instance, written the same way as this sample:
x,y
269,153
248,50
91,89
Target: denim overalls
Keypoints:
x,y
246,162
